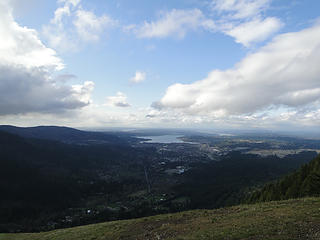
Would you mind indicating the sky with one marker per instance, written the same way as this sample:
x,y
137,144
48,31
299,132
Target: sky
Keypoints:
x,y
218,64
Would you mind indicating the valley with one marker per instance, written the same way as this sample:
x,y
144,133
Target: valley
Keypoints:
x,y
107,176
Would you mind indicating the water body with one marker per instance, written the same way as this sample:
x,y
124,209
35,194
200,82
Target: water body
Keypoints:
x,y
163,139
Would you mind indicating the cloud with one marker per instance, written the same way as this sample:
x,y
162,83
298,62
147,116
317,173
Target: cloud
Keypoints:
x,y
240,9
64,77
89,26
139,77
120,100
244,20
73,26
70,2
27,67
253,31
21,45
175,23
282,74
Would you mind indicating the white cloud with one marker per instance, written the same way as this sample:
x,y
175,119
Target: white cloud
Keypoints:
x,y
89,26
283,74
240,9
26,73
73,26
175,23
120,100
21,45
244,20
83,92
138,77
253,31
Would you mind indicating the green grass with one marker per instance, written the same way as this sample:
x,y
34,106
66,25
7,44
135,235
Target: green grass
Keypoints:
x,y
292,219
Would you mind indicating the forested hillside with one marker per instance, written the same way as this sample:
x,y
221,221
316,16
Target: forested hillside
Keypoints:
x,y
64,134
303,182
40,179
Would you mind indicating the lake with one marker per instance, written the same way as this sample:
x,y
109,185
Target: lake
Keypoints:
x,y
163,139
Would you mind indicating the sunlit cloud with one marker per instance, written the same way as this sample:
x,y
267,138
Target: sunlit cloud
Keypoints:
x,y
27,67
284,73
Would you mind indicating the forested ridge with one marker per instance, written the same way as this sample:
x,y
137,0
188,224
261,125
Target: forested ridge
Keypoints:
x,y
301,183
41,178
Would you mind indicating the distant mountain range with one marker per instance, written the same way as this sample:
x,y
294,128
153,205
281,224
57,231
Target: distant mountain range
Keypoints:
x,y
64,134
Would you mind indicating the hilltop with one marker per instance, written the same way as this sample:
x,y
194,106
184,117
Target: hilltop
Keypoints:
x,y
290,219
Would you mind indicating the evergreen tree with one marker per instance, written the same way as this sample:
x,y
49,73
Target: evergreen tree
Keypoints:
x,y
301,183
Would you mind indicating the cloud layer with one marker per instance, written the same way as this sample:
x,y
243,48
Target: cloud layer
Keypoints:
x,y
26,73
277,84
120,100
284,73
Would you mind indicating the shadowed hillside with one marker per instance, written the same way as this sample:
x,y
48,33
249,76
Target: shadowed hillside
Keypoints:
x,y
63,134
303,182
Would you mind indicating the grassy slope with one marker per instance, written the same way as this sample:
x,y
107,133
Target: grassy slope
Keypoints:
x,y
292,219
